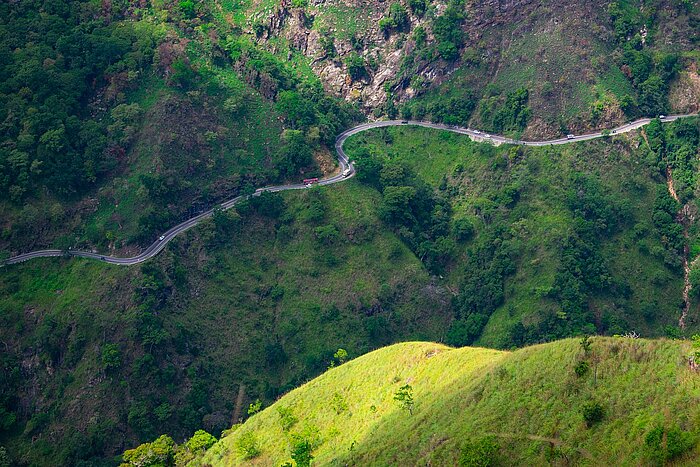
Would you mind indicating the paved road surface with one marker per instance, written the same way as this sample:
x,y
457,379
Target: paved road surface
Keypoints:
x,y
346,171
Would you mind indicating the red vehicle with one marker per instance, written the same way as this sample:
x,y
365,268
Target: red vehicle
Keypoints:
x,y
310,181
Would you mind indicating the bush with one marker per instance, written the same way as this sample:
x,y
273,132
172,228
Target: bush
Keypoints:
x,y
593,412
356,66
159,452
418,7
200,441
111,357
248,446
582,368
287,418
301,452
479,453
665,444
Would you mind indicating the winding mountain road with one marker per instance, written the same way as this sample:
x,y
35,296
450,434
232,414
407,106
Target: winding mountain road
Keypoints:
x,y
346,171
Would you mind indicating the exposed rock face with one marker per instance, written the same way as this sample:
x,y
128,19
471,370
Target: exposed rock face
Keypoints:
x,y
551,48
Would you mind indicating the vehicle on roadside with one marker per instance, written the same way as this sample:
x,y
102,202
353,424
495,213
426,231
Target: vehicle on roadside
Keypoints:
x,y
310,181
346,172
661,117
570,136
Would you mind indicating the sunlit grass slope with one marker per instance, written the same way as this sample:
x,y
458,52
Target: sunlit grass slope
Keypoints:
x,y
529,400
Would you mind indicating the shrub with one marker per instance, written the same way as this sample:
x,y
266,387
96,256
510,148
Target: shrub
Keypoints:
x,y
338,403
404,396
248,446
356,64
200,441
581,368
301,452
159,452
111,357
593,412
479,453
665,444
254,407
287,418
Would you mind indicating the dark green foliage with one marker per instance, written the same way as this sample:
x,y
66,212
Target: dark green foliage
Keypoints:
x,y
418,7
397,19
420,36
301,452
111,357
266,204
592,412
649,73
582,368
479,452
48,140
665,444
463,228
447,29
514,113
356,66
583,271
300,112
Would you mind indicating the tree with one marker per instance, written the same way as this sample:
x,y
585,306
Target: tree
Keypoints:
x,y
159,453
254,407
664,444
356,66
652,96
326,234
341,355
5,460
111,357
200,442
404,397
418,7
593,412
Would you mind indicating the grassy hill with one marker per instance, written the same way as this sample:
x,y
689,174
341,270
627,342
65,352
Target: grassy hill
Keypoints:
x,y
527,403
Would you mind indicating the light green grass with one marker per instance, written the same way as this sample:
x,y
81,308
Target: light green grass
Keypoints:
x,y
471,392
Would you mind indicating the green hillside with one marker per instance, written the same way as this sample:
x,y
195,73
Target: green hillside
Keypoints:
x,y
105,357
539,241
528,403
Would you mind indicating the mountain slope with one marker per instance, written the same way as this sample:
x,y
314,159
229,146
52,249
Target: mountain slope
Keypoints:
x,y
529,401
578,60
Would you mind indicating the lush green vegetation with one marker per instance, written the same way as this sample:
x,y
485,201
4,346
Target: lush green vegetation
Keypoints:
x,y
528,407
537,241
258,300
122,118
93,155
